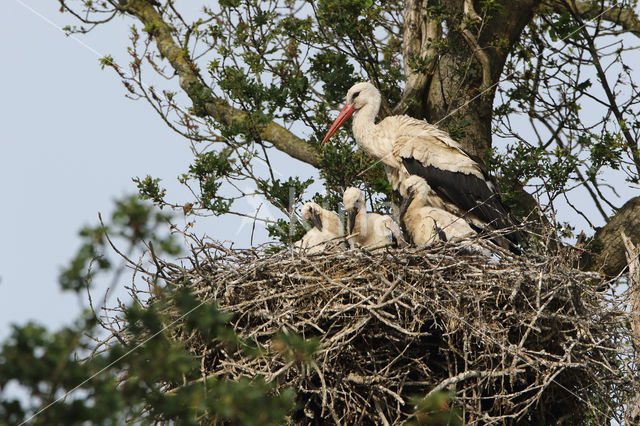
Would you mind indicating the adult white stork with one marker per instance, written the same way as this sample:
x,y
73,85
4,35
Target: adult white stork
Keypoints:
x,y
425,224
371,229
327,226
408,146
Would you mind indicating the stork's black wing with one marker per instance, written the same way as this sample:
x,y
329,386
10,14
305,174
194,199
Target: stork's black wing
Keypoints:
x,y
468,192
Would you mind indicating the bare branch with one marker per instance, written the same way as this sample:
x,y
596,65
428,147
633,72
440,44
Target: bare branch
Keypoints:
x,y
613,104
632,253
624,16
204,102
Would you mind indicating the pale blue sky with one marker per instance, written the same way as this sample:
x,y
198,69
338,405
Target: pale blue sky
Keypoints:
x,y
70,144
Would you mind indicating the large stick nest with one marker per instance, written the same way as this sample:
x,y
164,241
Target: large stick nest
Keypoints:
x,y
527,340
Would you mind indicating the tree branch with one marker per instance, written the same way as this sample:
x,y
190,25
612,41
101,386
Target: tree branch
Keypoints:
x,y
632,144
632,253
607,246
204,103
482,57
420,35
626,17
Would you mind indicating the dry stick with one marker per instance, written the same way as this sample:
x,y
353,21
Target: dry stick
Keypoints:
x,y
469,374
449,285
383,418
632,252
632,144
334,415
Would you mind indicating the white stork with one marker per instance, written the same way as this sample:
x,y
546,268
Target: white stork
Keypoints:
x,y
327,226
371,229
426,224
408,146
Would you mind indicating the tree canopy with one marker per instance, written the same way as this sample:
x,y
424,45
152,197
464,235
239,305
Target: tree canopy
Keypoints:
x,y
543,91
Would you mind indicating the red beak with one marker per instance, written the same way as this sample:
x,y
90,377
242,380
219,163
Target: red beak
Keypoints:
x,y
344,115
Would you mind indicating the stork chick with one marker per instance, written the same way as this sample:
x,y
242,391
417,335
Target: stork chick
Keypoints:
x,y
426,224
407,146
370,229
327,226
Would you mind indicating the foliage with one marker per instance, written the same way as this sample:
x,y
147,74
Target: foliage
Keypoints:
x,y
133,223
68,377
291,63
436,410
575,140
561,100
127,381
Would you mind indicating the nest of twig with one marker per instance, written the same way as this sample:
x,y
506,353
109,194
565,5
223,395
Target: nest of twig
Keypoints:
x,y
525,340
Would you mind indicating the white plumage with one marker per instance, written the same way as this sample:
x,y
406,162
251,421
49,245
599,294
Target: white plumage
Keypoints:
x,y
426,224
371,229
327,227
408,146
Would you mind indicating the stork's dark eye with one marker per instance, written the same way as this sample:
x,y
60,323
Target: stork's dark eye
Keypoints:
x,y
354,96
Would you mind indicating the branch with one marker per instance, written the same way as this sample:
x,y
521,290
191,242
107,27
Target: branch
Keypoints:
x,y
632,253
625,17
204,103
470,15
469,375
613,105
482,57
608,248
420,34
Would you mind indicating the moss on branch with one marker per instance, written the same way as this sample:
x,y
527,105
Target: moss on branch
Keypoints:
x,y
607,247
204,103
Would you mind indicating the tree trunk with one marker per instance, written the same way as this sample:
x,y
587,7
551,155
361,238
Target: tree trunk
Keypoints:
x,y
461,92
456,93
607,247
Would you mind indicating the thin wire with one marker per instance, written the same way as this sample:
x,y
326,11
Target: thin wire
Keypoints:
x,y
110,365
53,24
99,55
378,161
94,51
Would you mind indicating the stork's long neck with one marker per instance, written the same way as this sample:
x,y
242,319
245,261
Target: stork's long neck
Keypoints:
x,y
331,224
419,200
365,132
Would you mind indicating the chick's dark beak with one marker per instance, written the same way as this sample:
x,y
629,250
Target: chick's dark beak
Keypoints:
x,y
317,221
405,204
351,219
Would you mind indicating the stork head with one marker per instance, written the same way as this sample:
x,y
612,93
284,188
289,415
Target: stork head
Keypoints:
x,y
359,96
353,200
414,185
312,212
411,188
